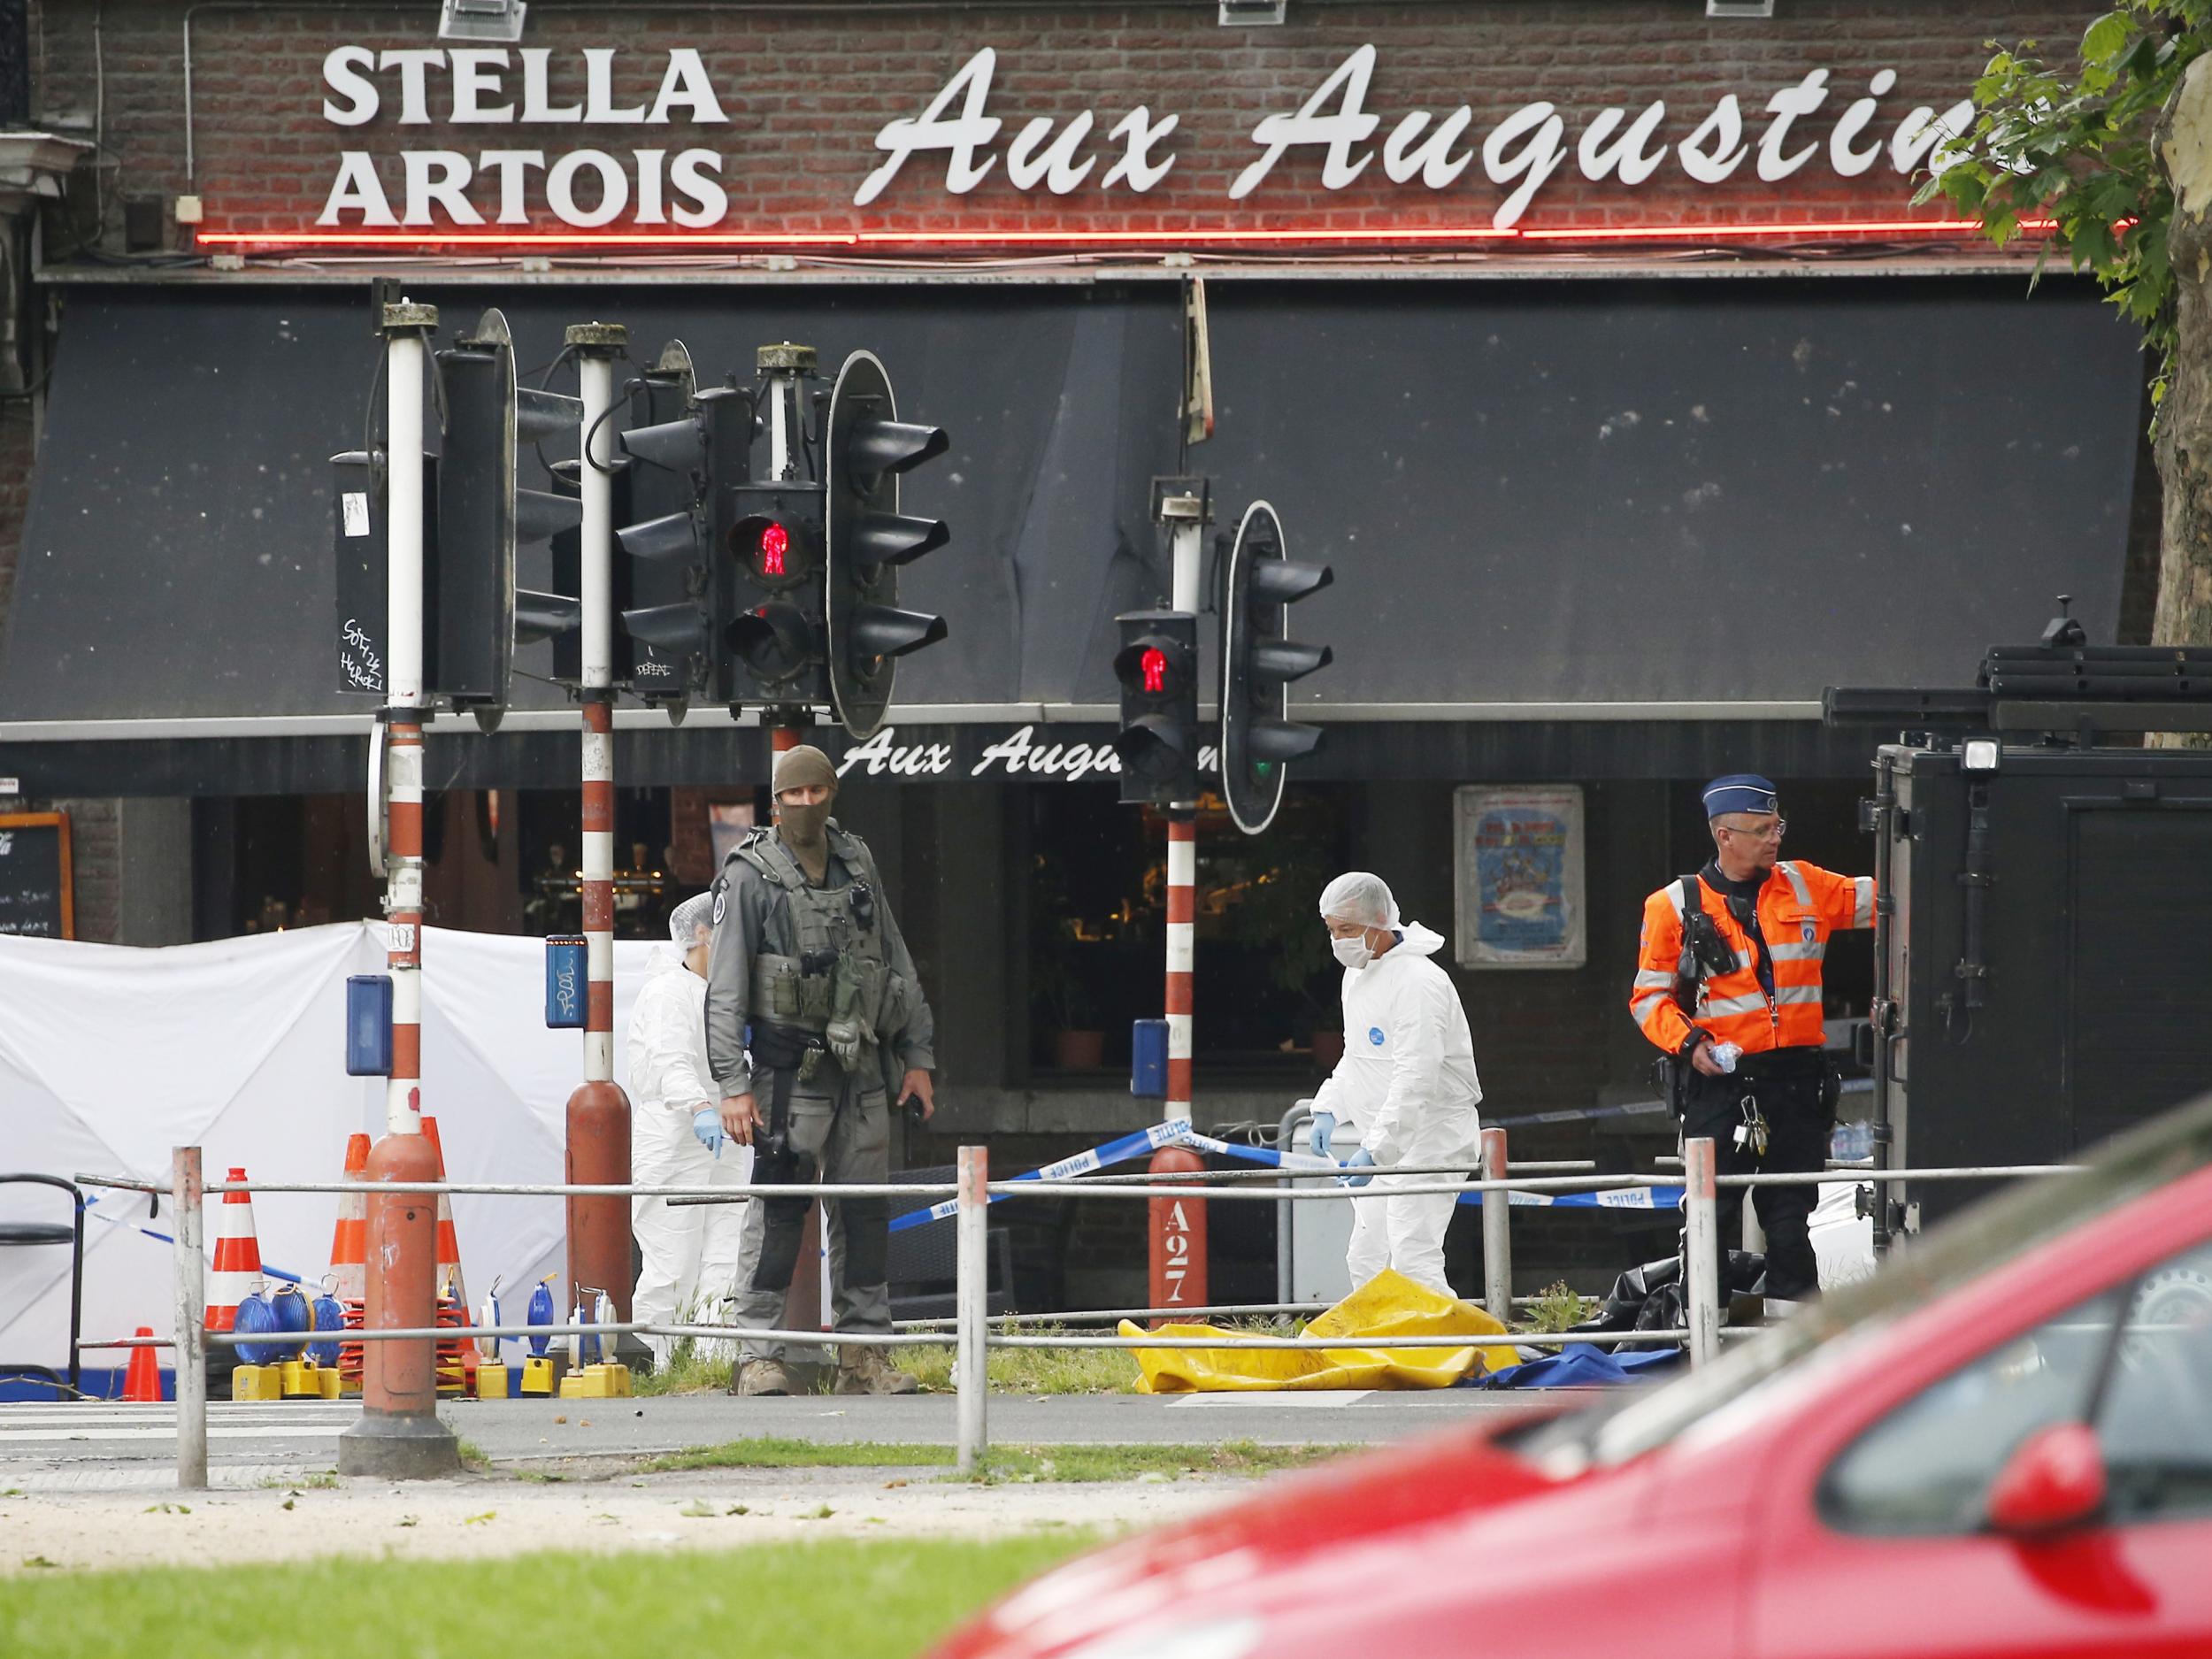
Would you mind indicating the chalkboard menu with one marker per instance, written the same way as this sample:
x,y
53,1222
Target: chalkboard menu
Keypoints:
x,y
35,887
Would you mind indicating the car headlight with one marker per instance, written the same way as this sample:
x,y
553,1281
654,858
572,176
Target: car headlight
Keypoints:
x,y
1214,1639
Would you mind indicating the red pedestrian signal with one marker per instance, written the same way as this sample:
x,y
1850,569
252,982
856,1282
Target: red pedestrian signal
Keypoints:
x,y
775,542
1158,668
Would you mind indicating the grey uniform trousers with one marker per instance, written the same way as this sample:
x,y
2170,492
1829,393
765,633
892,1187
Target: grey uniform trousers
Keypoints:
x,y
849,1142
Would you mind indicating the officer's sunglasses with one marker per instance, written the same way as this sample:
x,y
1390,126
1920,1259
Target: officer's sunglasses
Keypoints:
x,y
1773,832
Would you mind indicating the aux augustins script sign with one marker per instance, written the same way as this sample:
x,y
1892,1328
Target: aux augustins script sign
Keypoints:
x,y
967,135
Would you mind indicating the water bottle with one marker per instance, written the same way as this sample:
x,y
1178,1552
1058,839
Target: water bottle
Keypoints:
x,y
1727,1054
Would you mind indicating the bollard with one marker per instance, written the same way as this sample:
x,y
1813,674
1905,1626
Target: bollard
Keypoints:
x,y
1700,1268
191,1345
1177,1229
1497,1231
971,1303
398,1435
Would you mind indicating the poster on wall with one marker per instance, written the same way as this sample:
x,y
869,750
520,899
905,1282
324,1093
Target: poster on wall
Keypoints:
x,y
727,824
1517,857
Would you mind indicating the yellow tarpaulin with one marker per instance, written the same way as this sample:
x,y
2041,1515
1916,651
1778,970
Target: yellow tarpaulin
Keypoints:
x,y
1387,1305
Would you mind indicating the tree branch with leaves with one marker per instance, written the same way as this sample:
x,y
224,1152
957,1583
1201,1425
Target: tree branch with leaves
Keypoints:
x,y
2115,153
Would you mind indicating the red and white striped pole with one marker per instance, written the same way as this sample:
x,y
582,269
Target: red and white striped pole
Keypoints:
x,y
598,1111
399,1435
1178,1225
1182,928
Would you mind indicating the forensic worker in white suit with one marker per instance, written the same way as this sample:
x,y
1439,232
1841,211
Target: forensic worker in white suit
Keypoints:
x,y
689,1252
1405,1084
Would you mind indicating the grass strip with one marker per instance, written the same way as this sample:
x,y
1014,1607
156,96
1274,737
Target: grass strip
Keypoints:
x,y
832,1598
1091,1370
769,1451
691,1370
1003,1462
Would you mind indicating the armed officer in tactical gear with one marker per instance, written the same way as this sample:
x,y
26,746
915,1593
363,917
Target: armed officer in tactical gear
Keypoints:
x,y
807,955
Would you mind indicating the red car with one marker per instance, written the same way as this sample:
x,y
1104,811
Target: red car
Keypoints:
x,y
2000,1444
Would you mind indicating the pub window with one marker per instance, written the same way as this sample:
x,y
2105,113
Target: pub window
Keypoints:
x,y
1266,988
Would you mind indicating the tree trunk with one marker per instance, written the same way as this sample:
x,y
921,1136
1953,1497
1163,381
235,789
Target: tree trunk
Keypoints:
x,y
2184,614
2183,611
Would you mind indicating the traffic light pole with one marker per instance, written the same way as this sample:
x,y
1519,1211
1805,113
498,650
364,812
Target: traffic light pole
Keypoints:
x,y
598,1111
399,1434
1178,1276
783,368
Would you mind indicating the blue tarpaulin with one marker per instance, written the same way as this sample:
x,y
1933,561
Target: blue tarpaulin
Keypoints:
x,y
1581,1367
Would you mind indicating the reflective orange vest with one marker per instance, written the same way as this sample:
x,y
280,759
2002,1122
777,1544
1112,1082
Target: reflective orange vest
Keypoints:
x,y
1799,907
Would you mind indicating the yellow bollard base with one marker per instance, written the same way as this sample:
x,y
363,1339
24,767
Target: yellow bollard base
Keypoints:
x,y
302,1379
596,1382
494,1382
327,1385
537,1376
258,1382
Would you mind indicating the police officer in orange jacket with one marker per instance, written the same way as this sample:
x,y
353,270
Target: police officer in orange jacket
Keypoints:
x,y
1750,980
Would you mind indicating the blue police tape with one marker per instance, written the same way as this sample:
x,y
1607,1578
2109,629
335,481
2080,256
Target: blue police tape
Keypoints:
x,y
269,1268
1604,1198
1118,1151
1178,1132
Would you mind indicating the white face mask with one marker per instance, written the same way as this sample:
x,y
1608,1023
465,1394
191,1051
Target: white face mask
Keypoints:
x,y
1353,952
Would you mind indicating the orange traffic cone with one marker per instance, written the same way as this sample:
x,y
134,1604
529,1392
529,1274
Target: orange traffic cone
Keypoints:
x,y
141,1380
237,1273
450,1282
350,1243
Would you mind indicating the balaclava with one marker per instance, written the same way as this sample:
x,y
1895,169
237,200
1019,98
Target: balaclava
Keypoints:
x,y
804,828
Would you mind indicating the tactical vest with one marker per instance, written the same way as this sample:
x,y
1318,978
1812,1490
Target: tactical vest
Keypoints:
x,y
843,970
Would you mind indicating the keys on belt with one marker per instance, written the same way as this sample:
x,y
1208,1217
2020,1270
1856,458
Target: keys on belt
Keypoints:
x,y
1751,1134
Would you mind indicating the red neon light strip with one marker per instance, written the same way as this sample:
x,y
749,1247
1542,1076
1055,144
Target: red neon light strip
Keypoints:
x,y
519,239
1696,233
1083,239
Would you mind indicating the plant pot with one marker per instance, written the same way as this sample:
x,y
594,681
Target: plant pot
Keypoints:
x,y
1079,1050
1328,1048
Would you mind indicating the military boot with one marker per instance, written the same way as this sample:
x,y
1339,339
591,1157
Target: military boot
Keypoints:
x,y
865,1371
763,1377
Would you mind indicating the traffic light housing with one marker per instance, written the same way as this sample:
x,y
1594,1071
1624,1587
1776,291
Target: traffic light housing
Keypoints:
x,y
771,541
483,514
662,576
1157,666
1257,663
865,538
365,561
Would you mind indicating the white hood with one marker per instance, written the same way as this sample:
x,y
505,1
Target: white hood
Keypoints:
x,y
1422,942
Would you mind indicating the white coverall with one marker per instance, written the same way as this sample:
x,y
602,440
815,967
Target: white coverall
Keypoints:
x,y
689,1252
1406,1083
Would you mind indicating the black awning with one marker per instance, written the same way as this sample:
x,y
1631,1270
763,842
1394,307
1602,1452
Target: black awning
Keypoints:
x,y
1681,495
456,757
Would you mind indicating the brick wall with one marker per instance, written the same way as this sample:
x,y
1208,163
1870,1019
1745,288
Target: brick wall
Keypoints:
x,y
805,98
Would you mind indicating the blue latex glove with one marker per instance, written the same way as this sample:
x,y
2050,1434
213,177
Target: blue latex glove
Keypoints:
x,y
706,1123
1324,1127
1360,1159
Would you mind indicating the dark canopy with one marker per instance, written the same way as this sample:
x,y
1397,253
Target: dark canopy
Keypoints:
x,y
1683,494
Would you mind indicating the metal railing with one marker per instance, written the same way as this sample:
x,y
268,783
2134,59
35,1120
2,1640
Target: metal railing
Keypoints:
x,y
973,1331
